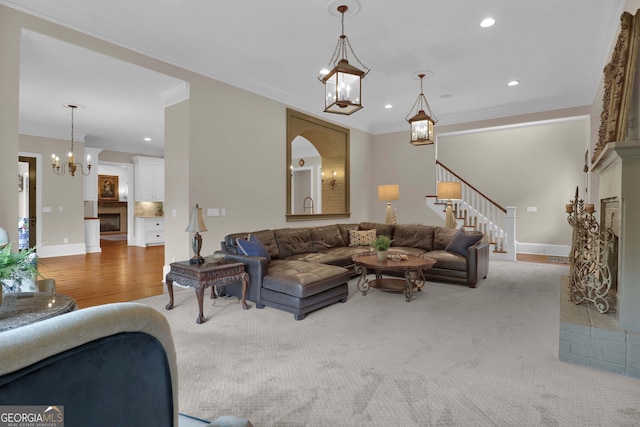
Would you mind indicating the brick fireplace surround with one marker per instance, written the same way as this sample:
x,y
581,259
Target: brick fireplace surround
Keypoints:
x,y
611,341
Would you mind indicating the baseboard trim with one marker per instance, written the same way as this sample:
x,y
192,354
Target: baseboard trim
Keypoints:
x,y
48,251
541,249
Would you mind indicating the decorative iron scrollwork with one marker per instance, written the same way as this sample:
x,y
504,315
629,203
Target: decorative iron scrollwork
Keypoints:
x,y
590,276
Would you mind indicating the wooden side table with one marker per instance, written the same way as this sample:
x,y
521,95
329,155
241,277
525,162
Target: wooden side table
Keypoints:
x,y
214,272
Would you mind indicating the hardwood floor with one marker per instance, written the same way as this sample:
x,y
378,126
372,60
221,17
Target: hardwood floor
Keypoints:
x,y
119,273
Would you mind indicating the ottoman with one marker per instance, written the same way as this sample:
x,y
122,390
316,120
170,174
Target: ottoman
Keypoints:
x,y
300,287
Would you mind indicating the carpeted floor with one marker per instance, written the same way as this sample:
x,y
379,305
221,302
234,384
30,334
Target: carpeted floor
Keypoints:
x,y
454,356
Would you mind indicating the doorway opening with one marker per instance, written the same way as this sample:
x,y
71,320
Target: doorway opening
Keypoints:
x,y
27,236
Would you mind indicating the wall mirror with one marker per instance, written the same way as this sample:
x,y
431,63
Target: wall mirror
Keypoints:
x,y
317,169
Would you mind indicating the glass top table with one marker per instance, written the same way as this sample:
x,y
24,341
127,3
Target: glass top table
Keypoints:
x,y
23,308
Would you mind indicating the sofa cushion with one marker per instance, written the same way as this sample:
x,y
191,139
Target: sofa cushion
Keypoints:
x,y
461,242
293,241
448,260
344,231
441,237
321,257
252,247
265,236
361,237
326,237
269,241
302,279
413,236
382,229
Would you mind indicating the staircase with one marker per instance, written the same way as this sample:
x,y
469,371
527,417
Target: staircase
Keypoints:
x,y
475,211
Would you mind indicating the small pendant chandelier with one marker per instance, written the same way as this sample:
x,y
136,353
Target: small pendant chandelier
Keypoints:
x,y
421,122
343,84
71,166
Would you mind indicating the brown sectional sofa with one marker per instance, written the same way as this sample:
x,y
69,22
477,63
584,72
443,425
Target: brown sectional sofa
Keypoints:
x,y
309,266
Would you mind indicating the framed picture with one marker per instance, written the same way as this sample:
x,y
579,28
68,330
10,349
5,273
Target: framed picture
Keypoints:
x,y
108,187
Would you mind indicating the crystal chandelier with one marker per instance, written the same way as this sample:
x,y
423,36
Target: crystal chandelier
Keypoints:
x,y
343,84
70,166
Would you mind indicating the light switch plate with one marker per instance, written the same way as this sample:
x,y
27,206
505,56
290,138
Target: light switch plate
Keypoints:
x,y
532,209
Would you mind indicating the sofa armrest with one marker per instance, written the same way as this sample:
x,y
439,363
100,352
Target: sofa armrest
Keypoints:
x,y
256,267
477,262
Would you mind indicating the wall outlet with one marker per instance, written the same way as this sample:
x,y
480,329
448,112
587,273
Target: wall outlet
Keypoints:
x,y
65,240
174,213
223,211
60,209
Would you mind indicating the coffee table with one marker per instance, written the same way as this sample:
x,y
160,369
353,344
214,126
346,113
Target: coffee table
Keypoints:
x,y
411,265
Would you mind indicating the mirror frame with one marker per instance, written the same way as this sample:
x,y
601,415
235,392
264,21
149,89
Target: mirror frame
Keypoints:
x,y
315,123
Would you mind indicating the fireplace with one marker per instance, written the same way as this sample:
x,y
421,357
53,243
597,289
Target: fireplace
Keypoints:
x,y
113,217
109,222
610,218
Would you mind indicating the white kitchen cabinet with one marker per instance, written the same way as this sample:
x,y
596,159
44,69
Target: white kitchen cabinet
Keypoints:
x,y
149,179
149,231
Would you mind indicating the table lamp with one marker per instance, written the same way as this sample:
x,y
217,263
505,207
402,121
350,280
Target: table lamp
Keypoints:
x,y
449,191
196,225
388,193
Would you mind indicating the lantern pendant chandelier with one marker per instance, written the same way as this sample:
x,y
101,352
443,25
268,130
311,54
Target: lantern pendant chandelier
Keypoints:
x,y
343,84
70,166
421,122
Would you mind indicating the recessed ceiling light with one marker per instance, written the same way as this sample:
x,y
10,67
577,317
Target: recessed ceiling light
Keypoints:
x,y
147,139
513,83
388,106
487,22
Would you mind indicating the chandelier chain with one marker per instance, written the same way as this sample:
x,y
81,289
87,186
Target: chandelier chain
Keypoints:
x,y
340,51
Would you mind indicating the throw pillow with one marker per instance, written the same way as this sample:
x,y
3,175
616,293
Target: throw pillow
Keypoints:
x,y
361,237
461,242
252,247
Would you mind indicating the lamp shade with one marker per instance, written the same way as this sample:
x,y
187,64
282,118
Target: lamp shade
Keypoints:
x,y
196,224
388,192
449,190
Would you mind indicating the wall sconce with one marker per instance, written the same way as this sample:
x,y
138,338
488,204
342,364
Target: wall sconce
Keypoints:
x,y
449,191
388,193
332,181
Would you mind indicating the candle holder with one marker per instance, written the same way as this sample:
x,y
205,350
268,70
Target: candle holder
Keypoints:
x,y
589,276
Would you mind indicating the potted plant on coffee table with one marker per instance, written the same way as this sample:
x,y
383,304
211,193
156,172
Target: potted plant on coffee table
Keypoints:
x,y
381,244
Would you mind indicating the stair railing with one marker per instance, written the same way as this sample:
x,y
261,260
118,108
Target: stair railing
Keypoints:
x,y
478,212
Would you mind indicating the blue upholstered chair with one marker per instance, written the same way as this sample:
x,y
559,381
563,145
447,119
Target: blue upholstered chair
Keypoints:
x,y
110,365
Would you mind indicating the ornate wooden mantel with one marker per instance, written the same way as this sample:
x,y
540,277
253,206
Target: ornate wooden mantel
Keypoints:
x,y
619,75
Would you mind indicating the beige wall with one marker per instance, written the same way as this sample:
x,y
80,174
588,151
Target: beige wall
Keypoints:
x,y
531,166
64,195
9,84
396,161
